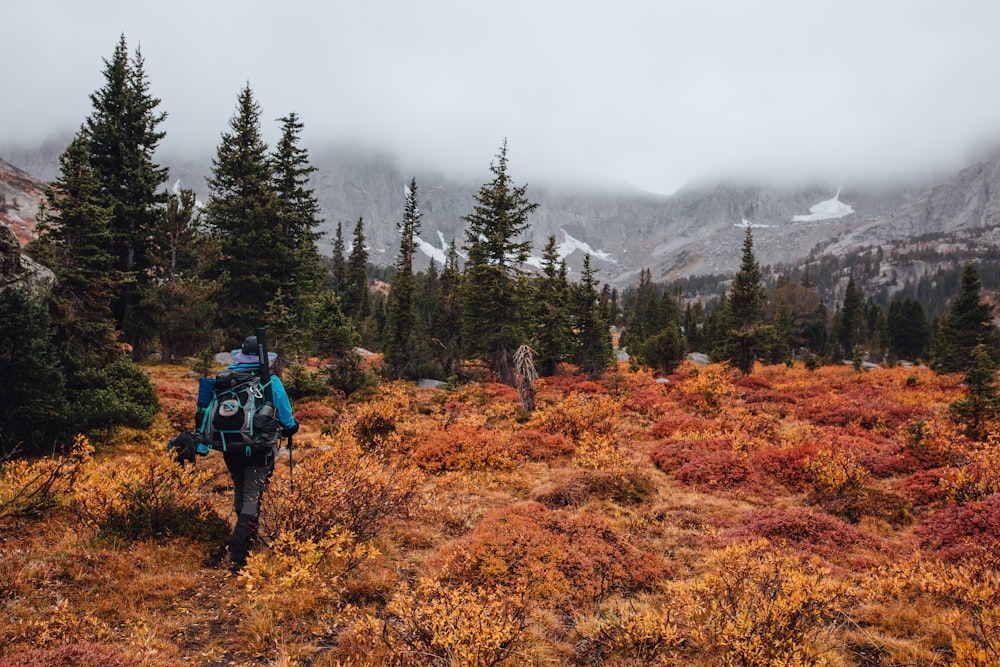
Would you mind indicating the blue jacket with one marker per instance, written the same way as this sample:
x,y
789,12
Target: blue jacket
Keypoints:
x,y
280,397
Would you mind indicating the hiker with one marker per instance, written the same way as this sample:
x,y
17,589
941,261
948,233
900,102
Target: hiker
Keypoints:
x,y
251,473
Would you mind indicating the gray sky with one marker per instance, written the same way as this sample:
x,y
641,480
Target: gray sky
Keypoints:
x,y
648,93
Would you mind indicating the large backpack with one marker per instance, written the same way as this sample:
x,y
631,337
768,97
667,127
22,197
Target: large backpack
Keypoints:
x,y
232,414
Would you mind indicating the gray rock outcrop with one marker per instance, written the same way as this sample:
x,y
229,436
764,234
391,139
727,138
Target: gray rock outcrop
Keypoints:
x,y
17,270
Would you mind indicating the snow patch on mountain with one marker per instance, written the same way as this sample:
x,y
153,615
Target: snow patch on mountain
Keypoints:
x,y
828,209
570,245
744,223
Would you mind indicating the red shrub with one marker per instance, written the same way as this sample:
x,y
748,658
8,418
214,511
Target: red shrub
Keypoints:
x,y
671,454
720,469
463,448
961,531
802,528
785,465
314,411
501,391
922,488
682,424
537,445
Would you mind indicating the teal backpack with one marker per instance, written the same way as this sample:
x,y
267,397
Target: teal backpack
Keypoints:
x,y
233,413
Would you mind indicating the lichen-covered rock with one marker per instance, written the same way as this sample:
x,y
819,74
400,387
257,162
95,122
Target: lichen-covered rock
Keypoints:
x,y
17,270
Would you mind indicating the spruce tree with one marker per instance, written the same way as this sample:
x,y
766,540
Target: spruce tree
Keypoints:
x,y
591,343
298,214
244,213
849,321
445,336
980,407
400,350
123,138
552,333
357,301
969,322
338,268
908,328
745,336
75,241
495,308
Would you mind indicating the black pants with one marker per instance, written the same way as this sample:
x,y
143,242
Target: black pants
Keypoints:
x,y
250,478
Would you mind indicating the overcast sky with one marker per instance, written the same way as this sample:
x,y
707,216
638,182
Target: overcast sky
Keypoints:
x,y
648,93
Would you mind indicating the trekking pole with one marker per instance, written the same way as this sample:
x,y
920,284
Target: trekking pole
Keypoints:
x,y
291,483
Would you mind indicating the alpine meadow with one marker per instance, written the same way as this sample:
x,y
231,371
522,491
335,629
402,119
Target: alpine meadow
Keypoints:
x,y
499,459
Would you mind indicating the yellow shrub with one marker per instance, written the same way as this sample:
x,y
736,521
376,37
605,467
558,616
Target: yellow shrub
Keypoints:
x,y
28,487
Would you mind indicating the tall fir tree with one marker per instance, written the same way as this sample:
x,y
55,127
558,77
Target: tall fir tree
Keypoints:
x,y
357,300
495,307
592,350
299,214
75,241
968,323
244,213
338,267
746,337
909,329
552,328
849,326
400,354
445,335
123,135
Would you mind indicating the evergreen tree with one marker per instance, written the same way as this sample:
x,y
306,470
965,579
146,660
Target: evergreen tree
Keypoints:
x,y
74,240
969,322
495,307
400,350
591,347
552,331
745,335
244,212
641,312
298,211
357,301
446,324
908,329
979,409
338,269
123,138
849,321
33,402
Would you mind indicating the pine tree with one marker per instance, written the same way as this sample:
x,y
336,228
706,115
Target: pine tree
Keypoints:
x,y
980,408
969,322
357,302
338,270
495,307
591,350
745,336
552,331
909,330
849,321
74,240
123,137
445,335
400,351
299,215
244,212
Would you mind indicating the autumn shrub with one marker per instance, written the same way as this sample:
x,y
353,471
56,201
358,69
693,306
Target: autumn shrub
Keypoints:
x,y
673,453
603,451
836,472
431,622
922,488
555,556
801,528
28,487
578,413
143,497
682,424
755,606
631,488
786,466
960,531
85,654
979,474
374,424
638,631
463,448
338,487
706,391
177,406
714,469
537,445
963,598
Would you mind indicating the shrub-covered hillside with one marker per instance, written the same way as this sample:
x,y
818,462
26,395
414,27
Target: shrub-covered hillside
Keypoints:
x,y
792,517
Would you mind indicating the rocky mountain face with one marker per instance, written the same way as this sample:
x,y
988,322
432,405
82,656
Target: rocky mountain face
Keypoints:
x,y
696,231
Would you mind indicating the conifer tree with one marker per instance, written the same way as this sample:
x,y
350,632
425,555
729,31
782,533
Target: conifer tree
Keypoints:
x,y
849,321
400,350
357,301
299,215
908,328
494,301
75,241
552,331
338,270
980,407
123,138
592,350
746,336
244,213
969,322
445,336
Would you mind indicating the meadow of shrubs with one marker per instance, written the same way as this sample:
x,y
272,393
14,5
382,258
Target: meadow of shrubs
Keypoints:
x,y
786,517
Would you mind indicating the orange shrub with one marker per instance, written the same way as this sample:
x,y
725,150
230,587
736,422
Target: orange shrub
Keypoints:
x,y
578,413
537,445
463,448
553,555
